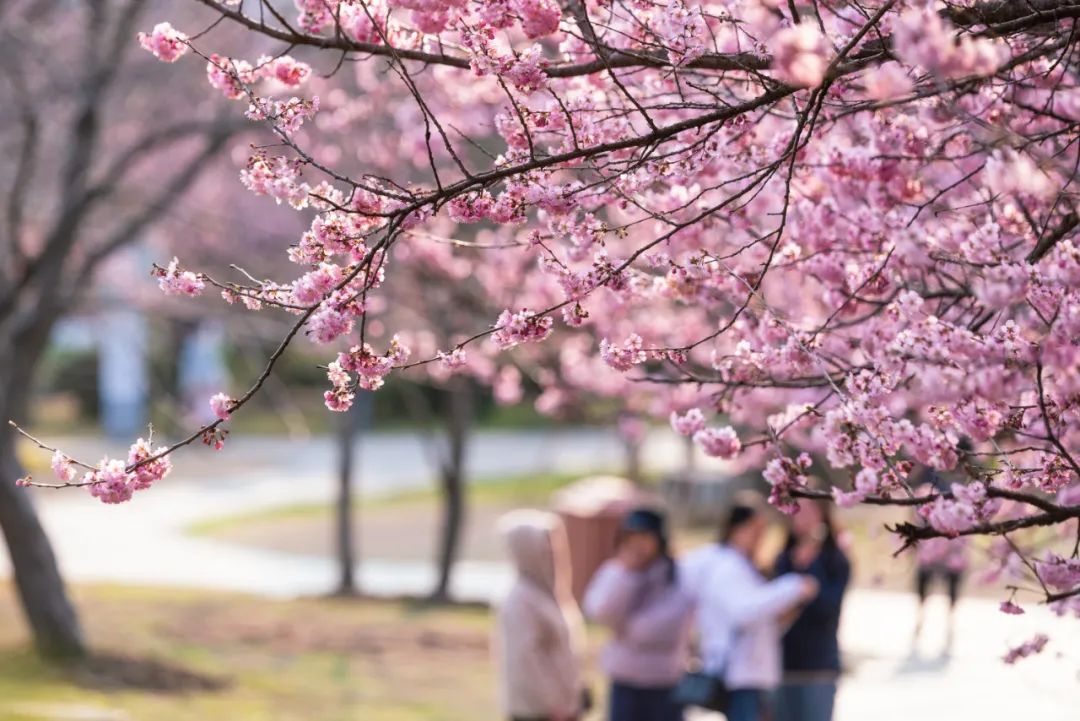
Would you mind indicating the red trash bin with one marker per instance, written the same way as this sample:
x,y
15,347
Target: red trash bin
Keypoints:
x,y
592,510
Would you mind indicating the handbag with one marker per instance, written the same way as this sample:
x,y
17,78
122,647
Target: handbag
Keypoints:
x,y
704,690
587,702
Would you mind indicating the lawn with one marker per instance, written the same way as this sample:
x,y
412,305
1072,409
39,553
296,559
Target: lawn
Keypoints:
x,y
169,655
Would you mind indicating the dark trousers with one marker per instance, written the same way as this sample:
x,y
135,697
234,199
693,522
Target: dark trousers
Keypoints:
x,y
928,574
805,701
633,703
748,704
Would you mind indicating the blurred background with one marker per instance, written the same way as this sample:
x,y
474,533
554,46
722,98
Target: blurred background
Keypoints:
x,y
319,566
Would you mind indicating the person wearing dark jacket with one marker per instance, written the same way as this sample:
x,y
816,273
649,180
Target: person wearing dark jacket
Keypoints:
x,y
811,650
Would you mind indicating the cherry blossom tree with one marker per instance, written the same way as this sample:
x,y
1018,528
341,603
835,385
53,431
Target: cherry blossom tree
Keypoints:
x,y
835,227
91,163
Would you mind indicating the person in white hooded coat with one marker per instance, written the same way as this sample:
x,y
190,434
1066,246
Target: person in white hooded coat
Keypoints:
x,y
540,630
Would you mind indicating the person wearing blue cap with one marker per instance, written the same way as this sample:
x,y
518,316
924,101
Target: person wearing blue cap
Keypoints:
x,y
635,594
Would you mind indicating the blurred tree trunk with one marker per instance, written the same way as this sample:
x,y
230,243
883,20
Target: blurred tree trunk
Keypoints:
x,y
633,460
458,418
344,534
41,589
67,208
353,424
690,456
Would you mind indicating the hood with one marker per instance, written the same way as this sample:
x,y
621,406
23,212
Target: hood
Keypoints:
x,y
532,546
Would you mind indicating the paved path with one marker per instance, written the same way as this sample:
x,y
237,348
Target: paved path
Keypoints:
x,y
143,543
889,682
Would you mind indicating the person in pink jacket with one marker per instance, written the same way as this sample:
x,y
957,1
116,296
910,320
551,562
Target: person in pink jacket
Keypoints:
x,y
636,595
540,630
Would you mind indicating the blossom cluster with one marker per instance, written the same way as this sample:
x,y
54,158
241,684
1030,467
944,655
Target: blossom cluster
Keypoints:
x,y
361,368
114,480
514,328
166,42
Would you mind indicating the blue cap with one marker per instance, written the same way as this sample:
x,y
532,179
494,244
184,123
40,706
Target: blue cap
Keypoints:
x,y
644,520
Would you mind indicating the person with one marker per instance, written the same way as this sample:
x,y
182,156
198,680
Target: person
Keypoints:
x,y
943,559
811,650
540,630
739,612
636,594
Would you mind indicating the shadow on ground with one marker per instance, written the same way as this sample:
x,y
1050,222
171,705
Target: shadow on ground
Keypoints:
x,y
117,672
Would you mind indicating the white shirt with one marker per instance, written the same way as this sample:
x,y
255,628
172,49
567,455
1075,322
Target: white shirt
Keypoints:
x,y
738,615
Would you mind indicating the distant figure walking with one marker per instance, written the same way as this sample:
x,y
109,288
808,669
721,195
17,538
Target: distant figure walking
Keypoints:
x,y
811,648
540,631
939,559
739,613
945,560
636,594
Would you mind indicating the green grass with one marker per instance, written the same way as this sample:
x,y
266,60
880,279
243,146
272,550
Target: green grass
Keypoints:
x,y
525,490
267,660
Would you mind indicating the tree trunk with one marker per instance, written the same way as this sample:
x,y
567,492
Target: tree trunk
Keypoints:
x,y
41,590
346,580
452,476
690,457
633,460
353,422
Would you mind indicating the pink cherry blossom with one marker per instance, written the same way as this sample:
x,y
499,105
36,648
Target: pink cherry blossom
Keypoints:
x,y
173,280
454,360
110,482
1031,647
286,115
800,55
338,400
329,324
165,42
921,37
229,75
538,17
787,476
527,72
688,423
64,467
1010,608
145,471
888,81
1013,172
1061,574
684,31
718,442
629,354
222,405
514,328
507,387
284,69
